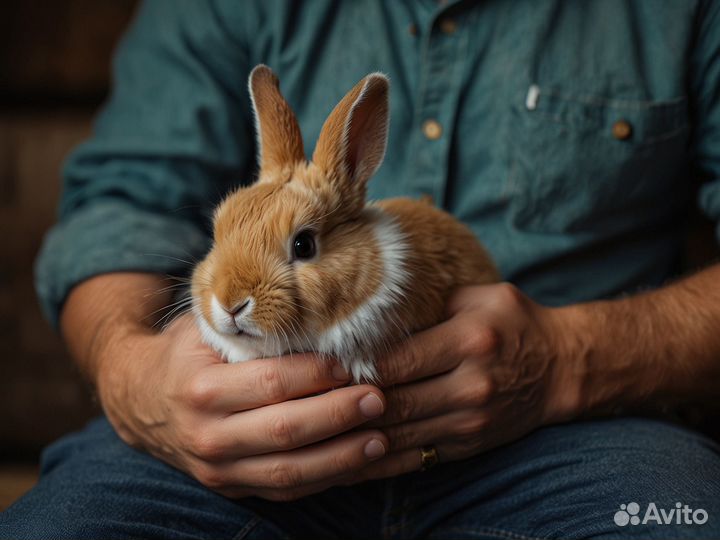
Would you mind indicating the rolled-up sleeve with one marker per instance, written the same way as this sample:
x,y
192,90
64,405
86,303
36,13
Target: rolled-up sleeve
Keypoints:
x,y
705,94
175,135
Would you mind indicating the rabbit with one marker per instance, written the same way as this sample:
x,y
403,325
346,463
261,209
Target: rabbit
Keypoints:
x,y
302,263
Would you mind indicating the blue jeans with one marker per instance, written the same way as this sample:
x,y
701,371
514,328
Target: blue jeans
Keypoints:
x,y
566,481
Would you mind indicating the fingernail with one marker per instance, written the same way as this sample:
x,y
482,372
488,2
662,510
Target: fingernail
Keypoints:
x,y
371,406
339,373
374,449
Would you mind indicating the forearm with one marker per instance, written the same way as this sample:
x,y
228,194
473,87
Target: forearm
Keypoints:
x,y
101,311
653,349
107,322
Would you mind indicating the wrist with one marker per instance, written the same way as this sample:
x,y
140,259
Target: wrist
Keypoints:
x,y
600,368
570,345
102,312
121,375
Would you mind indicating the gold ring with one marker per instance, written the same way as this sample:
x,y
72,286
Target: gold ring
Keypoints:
x,y
428,457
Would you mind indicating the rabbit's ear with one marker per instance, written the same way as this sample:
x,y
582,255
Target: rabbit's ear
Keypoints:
x,y
279,140
352,141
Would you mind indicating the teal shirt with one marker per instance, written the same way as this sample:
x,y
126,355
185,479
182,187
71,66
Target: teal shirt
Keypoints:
x,y
527,94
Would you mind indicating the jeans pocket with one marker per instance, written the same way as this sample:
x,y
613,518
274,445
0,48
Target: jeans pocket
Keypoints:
x,y
582,162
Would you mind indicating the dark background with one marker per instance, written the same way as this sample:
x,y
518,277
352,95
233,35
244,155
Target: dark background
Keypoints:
x,y
54,73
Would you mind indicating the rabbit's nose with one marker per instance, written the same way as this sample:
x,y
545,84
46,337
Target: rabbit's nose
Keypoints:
x,y
238,308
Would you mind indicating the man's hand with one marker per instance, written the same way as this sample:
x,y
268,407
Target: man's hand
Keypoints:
x,y
501,366
489,374
257,428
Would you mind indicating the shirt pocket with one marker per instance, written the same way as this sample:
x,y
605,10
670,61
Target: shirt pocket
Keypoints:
x,y
583,163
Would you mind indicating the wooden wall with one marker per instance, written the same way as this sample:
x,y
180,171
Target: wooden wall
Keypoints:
x,y
54,68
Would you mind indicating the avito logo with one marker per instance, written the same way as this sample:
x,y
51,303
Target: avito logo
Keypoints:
x,y
629,514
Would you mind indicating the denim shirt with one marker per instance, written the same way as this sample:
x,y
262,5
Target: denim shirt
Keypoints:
x,y
568,135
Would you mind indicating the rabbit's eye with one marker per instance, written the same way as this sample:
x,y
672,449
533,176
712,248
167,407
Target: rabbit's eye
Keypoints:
x,y
304,245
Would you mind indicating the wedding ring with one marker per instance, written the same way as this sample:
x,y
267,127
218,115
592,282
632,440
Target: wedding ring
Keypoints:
x,y
428,457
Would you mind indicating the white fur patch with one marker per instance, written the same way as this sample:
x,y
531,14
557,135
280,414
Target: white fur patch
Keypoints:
x,y
354,340
223,338
220,318
233,350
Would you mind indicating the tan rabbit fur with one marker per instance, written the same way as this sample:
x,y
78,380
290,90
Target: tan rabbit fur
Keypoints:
x,y
376,272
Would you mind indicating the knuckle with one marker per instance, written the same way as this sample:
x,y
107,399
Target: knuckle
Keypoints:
x,y
482,341
211,478
281,432
405,405
479,393
202,392
344,462
471,426
487,387
340,416
126,435
413,359
400,364
271,384
401,439
206,447
320,369
509,295
285,476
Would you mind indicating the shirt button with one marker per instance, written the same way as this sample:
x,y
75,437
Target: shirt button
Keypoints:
x,y
622,130
412,29
448,26
432,129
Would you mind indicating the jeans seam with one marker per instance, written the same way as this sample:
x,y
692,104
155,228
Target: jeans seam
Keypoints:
x,y
247,528
491,531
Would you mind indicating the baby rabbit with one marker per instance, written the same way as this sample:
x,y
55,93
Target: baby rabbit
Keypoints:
x,y
301,262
